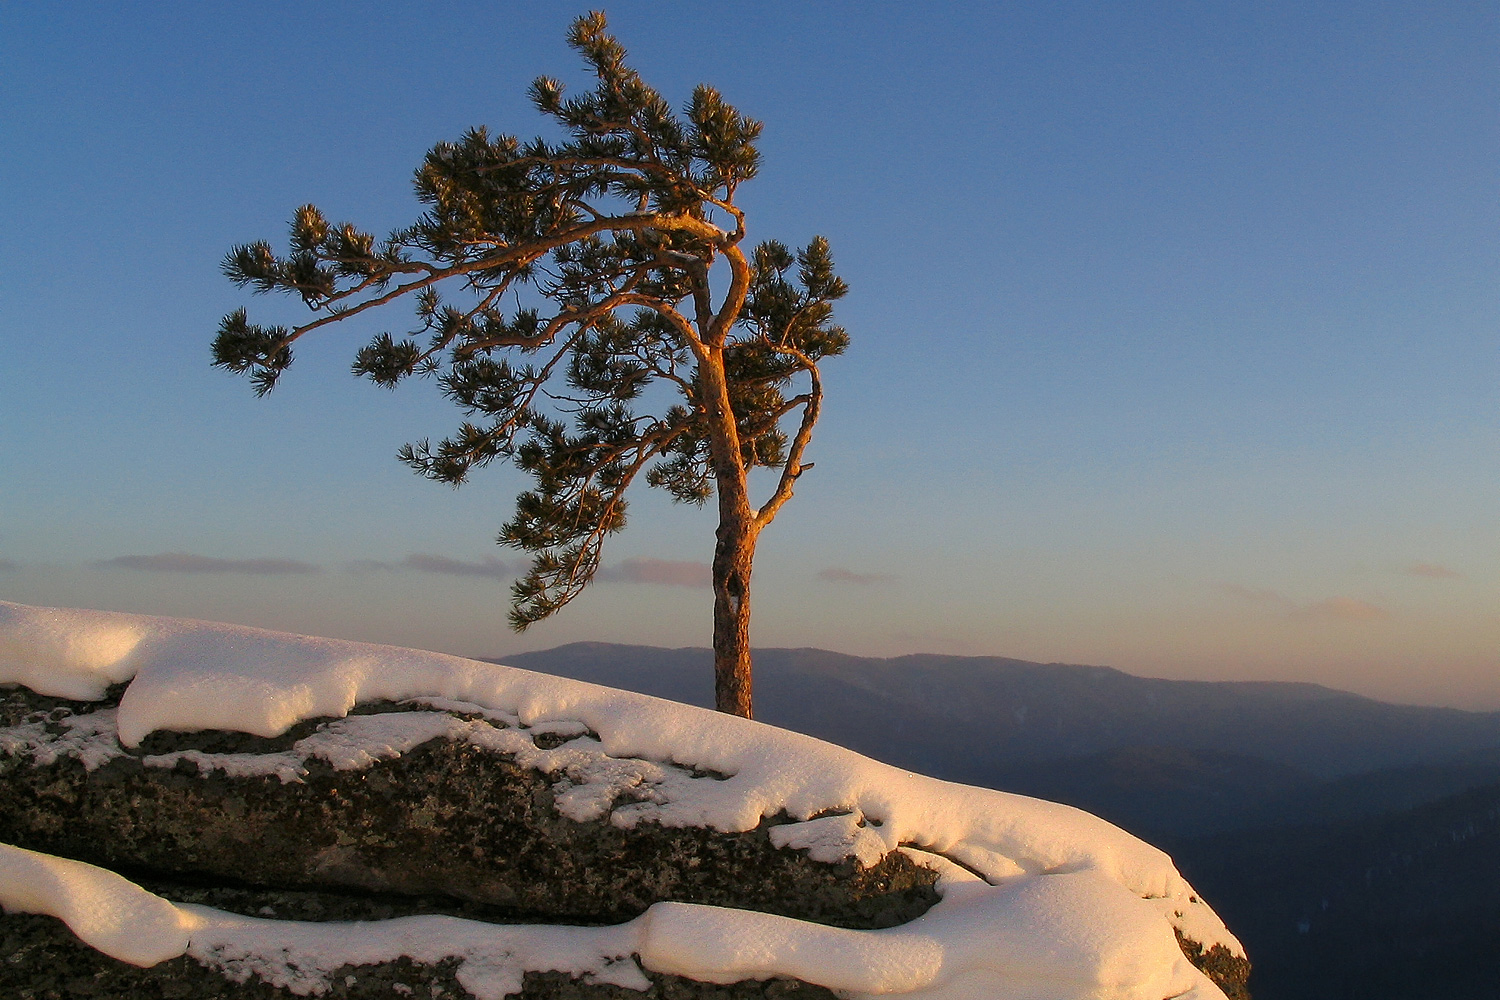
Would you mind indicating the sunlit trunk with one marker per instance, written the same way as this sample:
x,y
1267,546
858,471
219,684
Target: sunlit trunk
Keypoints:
x,y
733,554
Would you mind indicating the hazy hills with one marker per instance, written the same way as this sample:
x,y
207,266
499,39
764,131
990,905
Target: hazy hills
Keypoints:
x,y
975,719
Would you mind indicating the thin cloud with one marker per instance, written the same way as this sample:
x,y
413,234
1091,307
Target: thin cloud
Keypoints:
x,y
1433,571
1349,609
1336,608
668,572
839,574
1257,595
423,562
489,566
186,562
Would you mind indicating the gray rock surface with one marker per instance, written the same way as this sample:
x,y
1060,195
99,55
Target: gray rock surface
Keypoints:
x,y
260,827
443,827
444,819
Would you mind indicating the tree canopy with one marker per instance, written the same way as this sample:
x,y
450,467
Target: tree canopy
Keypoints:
x,y
589,306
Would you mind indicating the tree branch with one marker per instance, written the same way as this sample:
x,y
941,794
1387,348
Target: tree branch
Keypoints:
x,y
793,467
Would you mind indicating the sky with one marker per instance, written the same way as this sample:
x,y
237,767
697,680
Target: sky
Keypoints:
x,y
1175,338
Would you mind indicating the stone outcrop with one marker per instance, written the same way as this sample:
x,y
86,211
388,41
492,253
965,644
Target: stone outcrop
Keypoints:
x,y
1230,972
445,819
419,808
247,825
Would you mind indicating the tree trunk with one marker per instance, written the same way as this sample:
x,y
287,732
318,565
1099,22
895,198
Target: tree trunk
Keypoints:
x,y
733,553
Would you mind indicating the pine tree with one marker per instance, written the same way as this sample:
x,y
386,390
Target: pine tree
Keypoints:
x,y
566,300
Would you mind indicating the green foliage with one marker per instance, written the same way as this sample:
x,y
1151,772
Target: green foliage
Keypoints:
x,y
564,304
262,352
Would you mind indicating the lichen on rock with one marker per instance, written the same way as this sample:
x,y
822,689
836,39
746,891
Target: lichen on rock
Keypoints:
x,y
346,804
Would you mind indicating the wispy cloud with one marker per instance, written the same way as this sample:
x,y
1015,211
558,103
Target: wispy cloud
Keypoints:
x,y
186,562
423,562
1254,594
489,566
1433,571
1336,608
660,571
1349,609
839,574
669,572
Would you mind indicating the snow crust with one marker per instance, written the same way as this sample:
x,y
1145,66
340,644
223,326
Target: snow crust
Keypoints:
x,y
1039,899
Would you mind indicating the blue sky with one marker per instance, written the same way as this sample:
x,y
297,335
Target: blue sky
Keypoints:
x,y
1174,329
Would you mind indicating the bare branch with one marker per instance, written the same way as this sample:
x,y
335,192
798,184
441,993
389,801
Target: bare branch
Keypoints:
x,y
793,466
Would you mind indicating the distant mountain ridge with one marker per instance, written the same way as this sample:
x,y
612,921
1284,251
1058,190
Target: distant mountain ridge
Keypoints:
x,y
975,719
1400,905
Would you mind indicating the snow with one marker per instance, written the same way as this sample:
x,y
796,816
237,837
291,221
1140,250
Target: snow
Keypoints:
x,y
74,654
1036,938
1039,899
126,922
106,911
89,738
301,956
1063,936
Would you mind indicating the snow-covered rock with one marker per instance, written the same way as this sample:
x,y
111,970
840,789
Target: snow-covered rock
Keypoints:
x,y
524,822
1033,899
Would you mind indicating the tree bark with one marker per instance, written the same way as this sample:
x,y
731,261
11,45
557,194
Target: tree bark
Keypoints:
x,y
734,551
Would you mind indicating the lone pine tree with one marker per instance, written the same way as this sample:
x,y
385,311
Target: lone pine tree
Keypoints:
x,y
590,307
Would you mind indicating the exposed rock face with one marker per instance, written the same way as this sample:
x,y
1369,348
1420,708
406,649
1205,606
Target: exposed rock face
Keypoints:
x,y
444,818
444,827
1230,972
